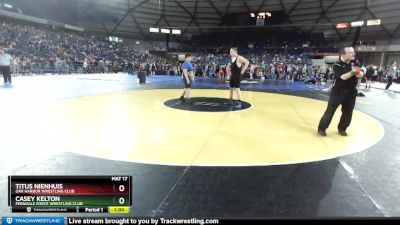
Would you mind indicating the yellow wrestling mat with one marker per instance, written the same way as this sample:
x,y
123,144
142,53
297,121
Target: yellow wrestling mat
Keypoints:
x,y
136,126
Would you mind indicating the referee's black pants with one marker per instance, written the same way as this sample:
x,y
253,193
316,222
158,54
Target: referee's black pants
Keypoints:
x,y
344,97
6,71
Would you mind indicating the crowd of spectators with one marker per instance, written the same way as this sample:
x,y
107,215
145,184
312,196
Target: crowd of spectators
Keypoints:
x,y
39,50
265,65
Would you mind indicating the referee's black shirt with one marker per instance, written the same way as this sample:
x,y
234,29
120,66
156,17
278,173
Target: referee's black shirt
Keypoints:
x,y
340,68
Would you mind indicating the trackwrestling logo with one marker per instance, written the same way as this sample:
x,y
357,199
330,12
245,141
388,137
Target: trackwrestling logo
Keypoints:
x,y
33,220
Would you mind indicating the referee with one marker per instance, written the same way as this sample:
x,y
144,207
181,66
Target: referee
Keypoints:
x,y
343,92
5,62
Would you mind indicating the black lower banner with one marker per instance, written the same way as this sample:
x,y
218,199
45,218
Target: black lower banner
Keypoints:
x,y
211,221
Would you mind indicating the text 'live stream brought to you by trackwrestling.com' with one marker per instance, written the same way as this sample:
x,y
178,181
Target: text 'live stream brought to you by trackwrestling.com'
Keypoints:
x,y
103,221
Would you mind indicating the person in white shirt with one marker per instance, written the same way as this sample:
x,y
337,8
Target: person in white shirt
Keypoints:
x,y
5,62
390,75
14,66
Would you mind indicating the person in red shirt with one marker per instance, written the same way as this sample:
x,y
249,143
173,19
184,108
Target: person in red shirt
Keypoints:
x,y
221,74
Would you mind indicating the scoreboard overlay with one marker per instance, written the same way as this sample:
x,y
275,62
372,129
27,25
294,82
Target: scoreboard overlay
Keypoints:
x,y
74,194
